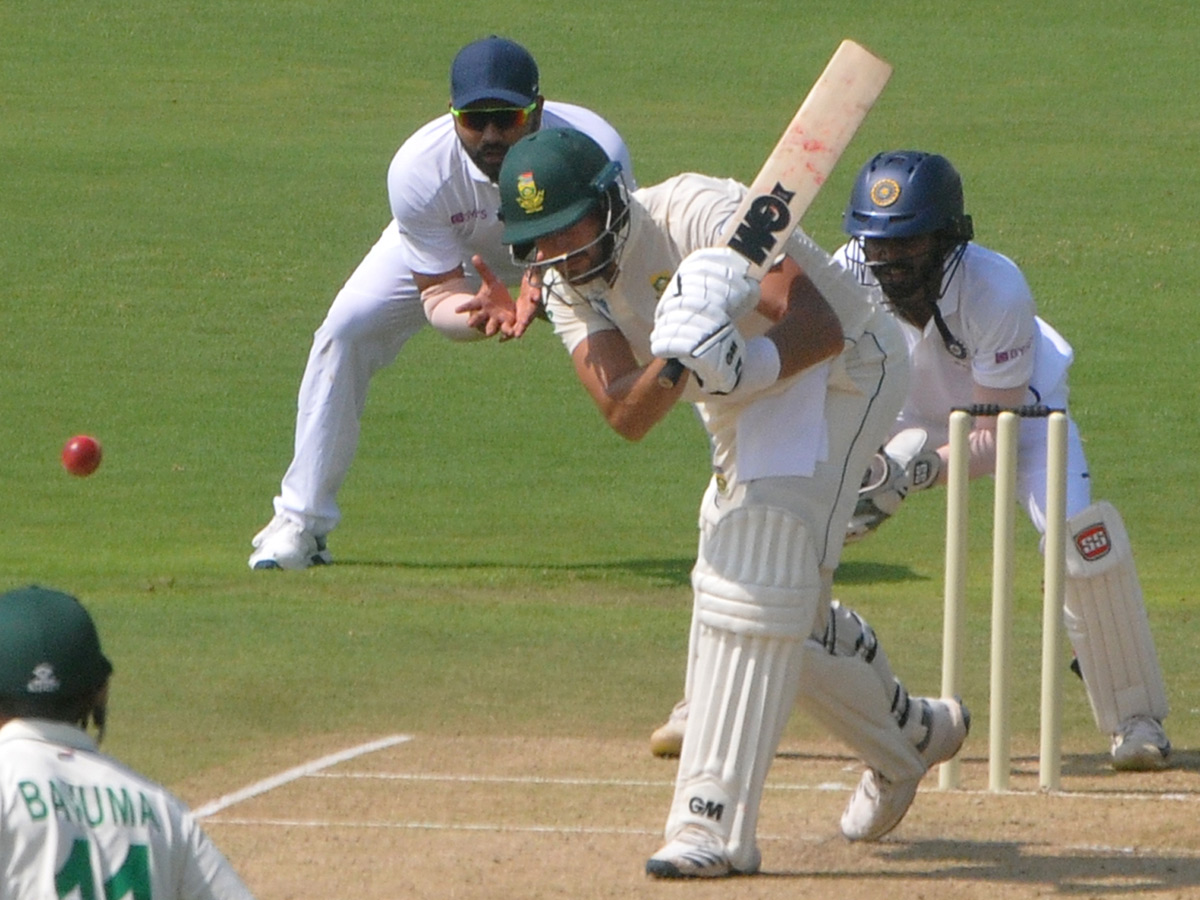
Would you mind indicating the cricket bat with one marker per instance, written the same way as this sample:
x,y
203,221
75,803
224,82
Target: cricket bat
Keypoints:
x,y
801,162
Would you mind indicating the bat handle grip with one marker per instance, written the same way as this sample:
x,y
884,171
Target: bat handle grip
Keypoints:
x,y
669,376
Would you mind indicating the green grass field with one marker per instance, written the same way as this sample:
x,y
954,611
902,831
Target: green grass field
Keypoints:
x,y
186,185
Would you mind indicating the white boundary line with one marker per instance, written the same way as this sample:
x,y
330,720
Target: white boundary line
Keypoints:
x,y
309,768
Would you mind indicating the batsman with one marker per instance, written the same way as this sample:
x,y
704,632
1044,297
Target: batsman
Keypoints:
x,y
796,380
974,337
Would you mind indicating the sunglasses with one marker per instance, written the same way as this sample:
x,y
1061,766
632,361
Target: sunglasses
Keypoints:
x,y
503,117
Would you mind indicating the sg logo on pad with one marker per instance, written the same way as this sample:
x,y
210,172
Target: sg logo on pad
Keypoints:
x,y
1093,542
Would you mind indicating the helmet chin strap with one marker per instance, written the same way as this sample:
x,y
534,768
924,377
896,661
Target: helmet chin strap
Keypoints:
x,y
931,290
953,345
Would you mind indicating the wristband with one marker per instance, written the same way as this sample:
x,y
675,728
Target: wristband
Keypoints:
x,y
760,366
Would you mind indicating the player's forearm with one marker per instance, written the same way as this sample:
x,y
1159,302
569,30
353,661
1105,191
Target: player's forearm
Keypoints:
x,y
805,340
629,396
981,454
809,331
981,442
441,300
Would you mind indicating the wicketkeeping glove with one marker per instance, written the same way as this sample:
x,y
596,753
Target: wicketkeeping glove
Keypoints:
x,y
904,464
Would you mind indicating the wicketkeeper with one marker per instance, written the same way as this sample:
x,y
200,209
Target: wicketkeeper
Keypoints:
x,y
974,337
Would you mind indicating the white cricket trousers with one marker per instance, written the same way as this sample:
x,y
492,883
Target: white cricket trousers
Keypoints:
x,y
373,315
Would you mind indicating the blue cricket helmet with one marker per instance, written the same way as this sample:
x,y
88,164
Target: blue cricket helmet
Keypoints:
x,y
903,193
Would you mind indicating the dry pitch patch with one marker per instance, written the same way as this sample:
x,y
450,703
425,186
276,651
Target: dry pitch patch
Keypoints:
x,y
437,817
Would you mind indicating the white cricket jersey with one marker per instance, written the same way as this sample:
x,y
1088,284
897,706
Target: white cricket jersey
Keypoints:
x,y
776,432
77,823
989,308
446,208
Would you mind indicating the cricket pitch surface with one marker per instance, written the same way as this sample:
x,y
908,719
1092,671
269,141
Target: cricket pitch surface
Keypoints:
x,y
470,817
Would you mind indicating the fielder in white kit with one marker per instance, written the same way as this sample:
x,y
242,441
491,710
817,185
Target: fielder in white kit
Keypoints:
x,y
73,821
974,337
796,381
429,260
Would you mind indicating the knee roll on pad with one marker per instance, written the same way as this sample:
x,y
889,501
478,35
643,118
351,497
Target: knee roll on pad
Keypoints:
x,y
1105,618
757,573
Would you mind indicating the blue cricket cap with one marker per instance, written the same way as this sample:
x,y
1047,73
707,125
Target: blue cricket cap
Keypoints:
x,y
493,68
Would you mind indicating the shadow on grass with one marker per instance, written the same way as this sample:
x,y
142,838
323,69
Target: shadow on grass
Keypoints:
x,y
1061,871
662,571
1099,765
675,571
875,573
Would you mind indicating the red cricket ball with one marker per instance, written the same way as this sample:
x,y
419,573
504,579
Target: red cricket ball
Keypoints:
x,y
81,455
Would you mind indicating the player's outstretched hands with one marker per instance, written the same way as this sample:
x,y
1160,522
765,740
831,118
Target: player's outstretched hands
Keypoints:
x,y
529,302
491,310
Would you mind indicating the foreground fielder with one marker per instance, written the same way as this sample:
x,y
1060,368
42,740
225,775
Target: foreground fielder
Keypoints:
x,y
974,337
74,822
444,238
791,412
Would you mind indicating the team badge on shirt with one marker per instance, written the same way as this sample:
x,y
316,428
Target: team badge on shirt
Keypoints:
x,y
659,283
529,196
885,192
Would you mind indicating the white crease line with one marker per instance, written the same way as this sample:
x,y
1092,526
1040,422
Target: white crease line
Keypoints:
x,y
824,786
437,826
539,780
494,779
791,837
309,768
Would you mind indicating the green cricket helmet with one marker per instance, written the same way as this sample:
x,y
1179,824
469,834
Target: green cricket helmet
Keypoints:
x,y
550,180
50,652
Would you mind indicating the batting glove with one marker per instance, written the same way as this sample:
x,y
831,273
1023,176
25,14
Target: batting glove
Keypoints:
x,y
715,277
705,342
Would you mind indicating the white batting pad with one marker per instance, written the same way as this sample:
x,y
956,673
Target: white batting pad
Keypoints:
x,y
756,573
1105,618
757,589
848,686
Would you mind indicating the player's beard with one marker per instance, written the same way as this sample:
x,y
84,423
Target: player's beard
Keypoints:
x,y
911,285
489,157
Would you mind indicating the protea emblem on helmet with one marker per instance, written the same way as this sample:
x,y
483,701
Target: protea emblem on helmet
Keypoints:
x,y
885,192
529,197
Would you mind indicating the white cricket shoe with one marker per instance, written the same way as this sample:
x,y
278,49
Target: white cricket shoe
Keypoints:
x,y
878,803
667,739
1140,745
284,544
695,853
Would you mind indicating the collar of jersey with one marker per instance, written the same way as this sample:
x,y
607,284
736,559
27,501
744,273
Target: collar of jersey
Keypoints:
x,y
50,732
